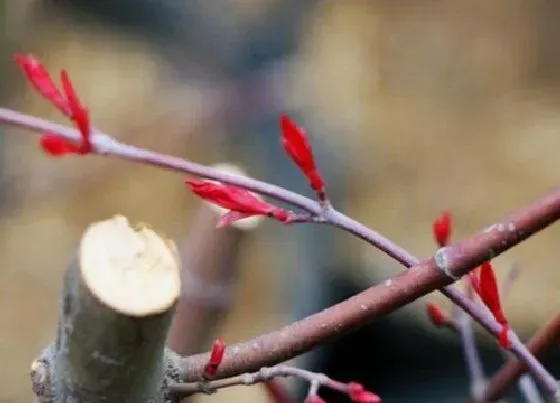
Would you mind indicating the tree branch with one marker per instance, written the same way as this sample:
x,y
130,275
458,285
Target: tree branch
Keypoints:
x,y
394,293
118,299
315,380
547,337
453,261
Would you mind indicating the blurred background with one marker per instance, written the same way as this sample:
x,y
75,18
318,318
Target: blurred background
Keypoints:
x,y
413,108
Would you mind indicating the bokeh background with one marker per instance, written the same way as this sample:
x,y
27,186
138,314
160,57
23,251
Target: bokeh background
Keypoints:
x,y
413,108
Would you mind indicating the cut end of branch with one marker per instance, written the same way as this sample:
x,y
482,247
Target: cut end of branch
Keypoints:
x,y
132,270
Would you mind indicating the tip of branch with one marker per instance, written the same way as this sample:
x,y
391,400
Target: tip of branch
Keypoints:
x,y
133,270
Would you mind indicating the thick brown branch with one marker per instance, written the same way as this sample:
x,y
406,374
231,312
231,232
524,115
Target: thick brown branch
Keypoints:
x,y
547,337
118,298
394,293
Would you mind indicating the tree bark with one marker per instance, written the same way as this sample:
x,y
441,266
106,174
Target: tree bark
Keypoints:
x,y
118,298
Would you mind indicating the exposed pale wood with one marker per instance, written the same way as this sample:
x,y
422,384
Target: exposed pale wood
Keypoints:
x,y
118,299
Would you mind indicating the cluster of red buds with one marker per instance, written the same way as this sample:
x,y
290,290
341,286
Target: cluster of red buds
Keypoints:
x,y
239,202
482,280
68,104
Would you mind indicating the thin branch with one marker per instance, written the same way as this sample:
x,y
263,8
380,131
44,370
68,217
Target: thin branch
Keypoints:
x,y
463,325
547,337
454,261
525,384
316,381
472,358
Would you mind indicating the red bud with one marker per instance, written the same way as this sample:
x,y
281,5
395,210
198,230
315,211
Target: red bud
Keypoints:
x,y
79,113
490,296
69,105
442,229
39,77
297,146
57,146
436,315
216,356
242,202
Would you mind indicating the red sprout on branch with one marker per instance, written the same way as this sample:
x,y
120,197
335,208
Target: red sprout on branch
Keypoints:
x,y
490,296
69,104
360,395
442,229
436,315
297,146
41,80
241,203
216,357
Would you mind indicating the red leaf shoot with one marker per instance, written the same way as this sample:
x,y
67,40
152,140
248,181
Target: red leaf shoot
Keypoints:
x,y
297,146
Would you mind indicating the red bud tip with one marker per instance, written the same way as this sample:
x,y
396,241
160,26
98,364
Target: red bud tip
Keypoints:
x,y
475,282
367,397
358,394
296,145
79,113
39,77
436,315
442,229
216,356
241,203
489,294
354,389
504,337
57,146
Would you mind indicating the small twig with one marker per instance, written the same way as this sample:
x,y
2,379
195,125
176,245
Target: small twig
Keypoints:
x,y
472,358
316,381
473,362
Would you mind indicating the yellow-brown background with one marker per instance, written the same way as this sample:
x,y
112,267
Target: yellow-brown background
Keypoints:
x,y
436,104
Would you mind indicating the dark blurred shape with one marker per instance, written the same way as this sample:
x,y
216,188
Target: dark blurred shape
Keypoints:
x,y
208,32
